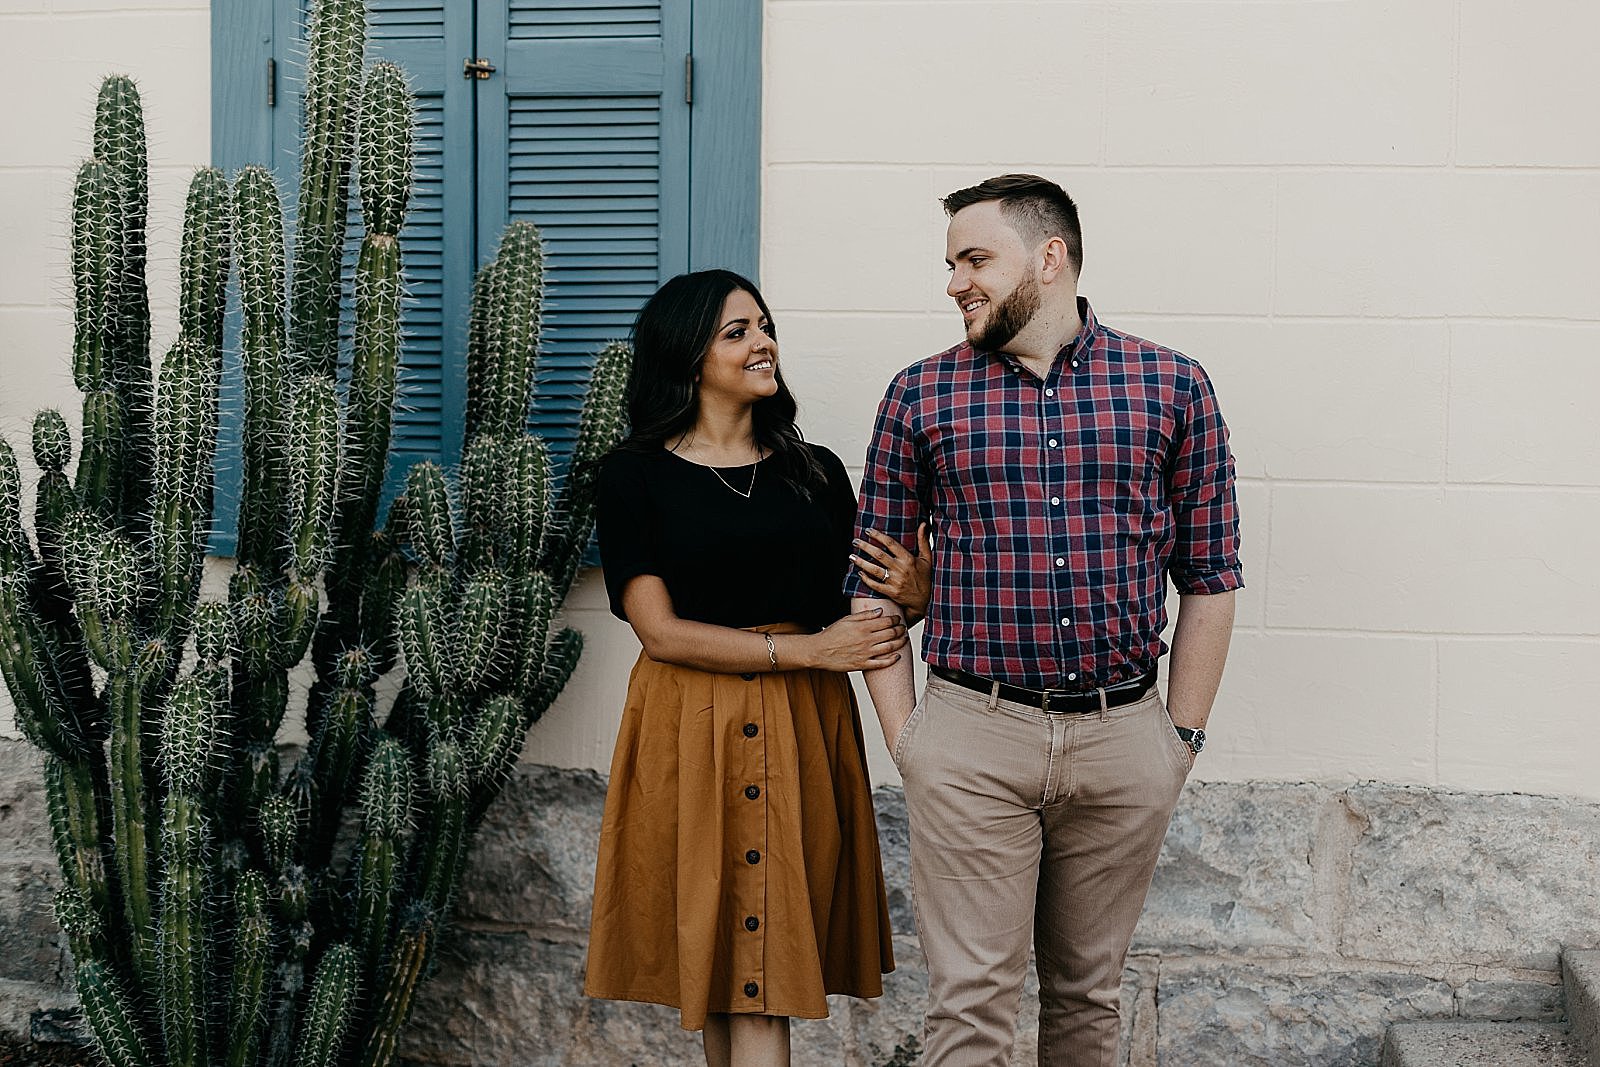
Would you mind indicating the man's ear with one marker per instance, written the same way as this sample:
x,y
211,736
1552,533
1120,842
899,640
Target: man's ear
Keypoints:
x,y
1053,260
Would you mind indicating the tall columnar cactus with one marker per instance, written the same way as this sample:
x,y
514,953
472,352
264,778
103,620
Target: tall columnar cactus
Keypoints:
x,y
212,921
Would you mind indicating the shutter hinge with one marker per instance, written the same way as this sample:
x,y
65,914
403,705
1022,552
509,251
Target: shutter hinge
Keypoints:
x,y
688,78
272,82
477,68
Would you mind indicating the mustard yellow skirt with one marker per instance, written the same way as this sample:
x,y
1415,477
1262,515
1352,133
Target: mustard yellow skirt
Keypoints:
x,y
738,868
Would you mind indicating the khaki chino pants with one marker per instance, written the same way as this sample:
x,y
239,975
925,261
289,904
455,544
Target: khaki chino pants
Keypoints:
x,y
1031,826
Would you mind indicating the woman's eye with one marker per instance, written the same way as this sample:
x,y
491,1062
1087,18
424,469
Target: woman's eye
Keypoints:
x,y
736,333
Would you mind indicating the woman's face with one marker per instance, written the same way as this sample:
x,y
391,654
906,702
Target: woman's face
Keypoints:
x,y
741,365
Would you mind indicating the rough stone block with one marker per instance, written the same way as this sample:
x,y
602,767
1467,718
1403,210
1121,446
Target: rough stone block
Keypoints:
x,y
1581,979
1235,872
24,823
532,863
27,1009
1479,878
511,1000
1480,1045
1244,1015
1511,1001
29,941
894,848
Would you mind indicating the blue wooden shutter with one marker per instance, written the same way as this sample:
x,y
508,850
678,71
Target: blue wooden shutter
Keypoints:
x,y
584,131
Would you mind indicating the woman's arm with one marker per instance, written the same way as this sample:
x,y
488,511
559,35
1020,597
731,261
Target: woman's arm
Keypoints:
x,y
866,640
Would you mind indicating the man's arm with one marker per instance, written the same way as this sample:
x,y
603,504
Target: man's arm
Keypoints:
x,y
893,688
1199,650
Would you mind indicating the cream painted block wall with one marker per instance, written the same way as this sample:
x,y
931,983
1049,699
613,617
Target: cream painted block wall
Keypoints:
x,y
1375,224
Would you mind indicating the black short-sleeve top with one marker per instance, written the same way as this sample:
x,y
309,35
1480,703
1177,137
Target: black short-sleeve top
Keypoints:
x,y
775,557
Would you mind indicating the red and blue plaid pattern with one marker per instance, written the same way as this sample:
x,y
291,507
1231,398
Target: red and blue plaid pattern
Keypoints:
x,y
1058,507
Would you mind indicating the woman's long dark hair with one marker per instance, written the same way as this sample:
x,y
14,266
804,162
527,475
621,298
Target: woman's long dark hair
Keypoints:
x,y
674,331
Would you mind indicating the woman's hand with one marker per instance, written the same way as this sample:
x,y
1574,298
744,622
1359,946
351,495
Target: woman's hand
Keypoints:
x,y
891,571
864,641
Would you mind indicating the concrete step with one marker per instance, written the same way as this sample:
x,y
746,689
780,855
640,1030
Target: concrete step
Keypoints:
x,y
1457,1044
1580,979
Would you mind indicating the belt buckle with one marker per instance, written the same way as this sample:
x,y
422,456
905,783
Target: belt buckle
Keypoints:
x,y
1044,699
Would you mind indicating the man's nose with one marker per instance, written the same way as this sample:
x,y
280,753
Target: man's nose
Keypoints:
x,y
958,283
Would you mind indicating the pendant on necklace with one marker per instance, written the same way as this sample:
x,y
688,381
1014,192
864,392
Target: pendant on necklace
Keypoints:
x,y
754,469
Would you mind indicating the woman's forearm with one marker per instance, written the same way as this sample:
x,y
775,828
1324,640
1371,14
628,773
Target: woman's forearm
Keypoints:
x,y
721,649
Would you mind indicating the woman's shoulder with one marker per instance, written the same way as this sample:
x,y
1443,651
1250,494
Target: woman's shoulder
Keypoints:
x,y
826,458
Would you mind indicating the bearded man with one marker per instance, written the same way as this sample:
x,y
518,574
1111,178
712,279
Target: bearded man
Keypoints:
x,y
1068,472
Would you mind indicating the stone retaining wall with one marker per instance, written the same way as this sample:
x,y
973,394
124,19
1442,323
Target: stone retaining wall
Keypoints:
x,y
1288,925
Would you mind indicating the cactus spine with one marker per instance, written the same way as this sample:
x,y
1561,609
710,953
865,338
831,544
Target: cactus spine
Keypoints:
x,y
211,921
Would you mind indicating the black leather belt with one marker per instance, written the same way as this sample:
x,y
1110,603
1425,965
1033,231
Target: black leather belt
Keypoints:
x,y
1053,700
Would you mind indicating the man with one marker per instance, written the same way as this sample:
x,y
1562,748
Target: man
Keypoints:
x,y
1068,471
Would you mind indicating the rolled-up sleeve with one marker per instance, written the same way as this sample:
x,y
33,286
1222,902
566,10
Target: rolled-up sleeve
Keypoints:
x,y
893,483
1201,493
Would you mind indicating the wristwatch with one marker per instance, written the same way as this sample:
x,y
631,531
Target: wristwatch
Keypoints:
x,y
1195,739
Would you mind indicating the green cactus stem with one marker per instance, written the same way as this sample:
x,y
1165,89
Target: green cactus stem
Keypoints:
x,y
333,74
313,457
386,815
600,428
252,955
204,259
328,1013
403,973
258,233
76,831
443,847
110,1016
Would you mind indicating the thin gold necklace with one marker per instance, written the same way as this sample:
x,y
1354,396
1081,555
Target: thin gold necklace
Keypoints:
x,y
754,468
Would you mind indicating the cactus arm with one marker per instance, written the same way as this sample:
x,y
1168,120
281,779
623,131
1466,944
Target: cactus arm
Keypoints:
x,y
204,258
258,236
75,829
333,71
335,748
527,501
561,661
313,457
493,744
252,954
386,815
111,1019
182,943
478,632
328,1012
129,810
444,838
600,427
403,973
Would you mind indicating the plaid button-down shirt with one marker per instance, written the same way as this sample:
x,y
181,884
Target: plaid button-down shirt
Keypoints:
x,y
1059,507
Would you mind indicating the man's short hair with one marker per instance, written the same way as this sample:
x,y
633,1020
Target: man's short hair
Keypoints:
x,y
1036,207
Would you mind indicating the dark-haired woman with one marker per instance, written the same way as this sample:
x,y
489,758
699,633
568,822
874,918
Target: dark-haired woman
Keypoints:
x,y
738,876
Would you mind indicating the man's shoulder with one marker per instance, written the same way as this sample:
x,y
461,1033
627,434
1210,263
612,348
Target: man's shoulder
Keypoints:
x,y
1147,357
912,380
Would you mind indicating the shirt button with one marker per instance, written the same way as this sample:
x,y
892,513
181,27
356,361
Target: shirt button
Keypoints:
x,y
1055,501
1073,677
751,989
748,677
750,729
1060,562
752,857
1049,392
752,924
752,791
1052,442
1074,363
1066,622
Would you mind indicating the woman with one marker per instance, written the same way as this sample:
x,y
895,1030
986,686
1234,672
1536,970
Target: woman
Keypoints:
x,y
738,877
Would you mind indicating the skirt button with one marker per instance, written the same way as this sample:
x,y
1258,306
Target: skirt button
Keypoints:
x,y
751,989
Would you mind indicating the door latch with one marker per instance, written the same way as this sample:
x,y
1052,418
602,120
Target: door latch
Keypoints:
x,y
477,68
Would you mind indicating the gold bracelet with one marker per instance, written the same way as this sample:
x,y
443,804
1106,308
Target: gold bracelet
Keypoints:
x,y
772,652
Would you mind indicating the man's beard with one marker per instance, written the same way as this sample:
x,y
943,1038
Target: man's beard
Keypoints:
x,y
1008,317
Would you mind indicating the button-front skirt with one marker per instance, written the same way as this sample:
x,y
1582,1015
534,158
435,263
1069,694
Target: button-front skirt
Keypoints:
x,y
738,867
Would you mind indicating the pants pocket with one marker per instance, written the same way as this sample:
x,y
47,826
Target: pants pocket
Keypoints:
x,y
903,738
1170,728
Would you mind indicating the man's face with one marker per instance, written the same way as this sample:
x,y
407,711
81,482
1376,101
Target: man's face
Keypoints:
x,y
993,275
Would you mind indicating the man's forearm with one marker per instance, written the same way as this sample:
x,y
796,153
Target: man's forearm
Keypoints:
x,y
893,688
1199,651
